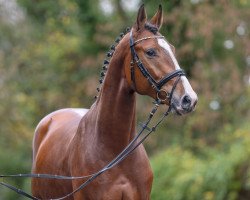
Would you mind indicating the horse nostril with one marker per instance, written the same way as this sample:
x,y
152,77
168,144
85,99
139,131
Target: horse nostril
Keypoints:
x,y
186,102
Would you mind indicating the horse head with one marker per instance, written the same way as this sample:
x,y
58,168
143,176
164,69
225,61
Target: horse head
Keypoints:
x,y
154,70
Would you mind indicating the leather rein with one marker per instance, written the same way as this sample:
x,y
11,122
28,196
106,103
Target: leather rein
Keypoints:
x,y
138,139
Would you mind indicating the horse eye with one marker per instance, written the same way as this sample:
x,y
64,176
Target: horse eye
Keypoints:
x,y
151,52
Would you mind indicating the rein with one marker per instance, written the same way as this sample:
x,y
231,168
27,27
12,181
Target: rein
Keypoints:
x,y
132,145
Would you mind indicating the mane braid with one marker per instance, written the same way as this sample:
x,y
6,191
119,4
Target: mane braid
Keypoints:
x,y
109,55
150,27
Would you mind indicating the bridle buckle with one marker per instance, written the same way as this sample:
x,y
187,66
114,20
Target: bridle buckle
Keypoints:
x,y
162,95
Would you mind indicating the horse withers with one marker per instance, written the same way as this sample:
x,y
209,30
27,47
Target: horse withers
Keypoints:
x,y
79,142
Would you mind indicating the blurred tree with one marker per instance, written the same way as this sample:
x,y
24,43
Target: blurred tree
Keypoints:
x,y
50,55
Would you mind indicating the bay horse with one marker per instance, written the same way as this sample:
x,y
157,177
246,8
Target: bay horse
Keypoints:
x,y
78,142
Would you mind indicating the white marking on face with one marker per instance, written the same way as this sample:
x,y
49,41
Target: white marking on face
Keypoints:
x,y
167,47
187,87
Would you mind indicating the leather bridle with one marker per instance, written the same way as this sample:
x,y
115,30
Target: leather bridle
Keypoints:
x,y
134,143
157,86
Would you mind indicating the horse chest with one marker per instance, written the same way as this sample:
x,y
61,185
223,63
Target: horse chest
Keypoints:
x,y
130,180
123,188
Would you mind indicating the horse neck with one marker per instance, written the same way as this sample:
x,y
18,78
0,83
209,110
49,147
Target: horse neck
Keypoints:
x,y
116,104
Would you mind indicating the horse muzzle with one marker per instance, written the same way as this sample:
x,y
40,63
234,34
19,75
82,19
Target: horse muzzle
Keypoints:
x,y
185,105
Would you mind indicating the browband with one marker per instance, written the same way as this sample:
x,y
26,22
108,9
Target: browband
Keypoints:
x,y
145,38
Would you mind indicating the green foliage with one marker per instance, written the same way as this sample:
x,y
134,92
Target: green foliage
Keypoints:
x,y
50,58
217,173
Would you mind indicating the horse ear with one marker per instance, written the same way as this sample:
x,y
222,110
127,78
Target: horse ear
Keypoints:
x,y
157,19
141,18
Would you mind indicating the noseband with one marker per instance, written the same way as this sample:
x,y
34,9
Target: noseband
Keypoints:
x,y
156,85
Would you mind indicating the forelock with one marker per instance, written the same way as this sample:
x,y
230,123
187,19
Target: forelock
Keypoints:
x,y
150,27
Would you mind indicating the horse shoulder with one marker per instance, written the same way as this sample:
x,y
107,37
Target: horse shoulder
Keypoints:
x,y
56,119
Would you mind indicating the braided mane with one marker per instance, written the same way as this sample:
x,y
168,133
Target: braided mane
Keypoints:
x,y
109,55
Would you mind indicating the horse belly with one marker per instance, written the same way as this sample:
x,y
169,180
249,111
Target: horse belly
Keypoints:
x,y
51,149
